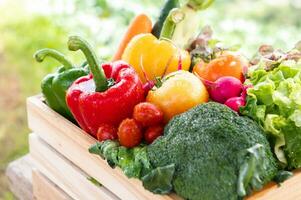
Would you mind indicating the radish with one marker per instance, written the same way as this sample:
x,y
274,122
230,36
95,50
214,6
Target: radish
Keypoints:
x,y
245,90
235,103
225,88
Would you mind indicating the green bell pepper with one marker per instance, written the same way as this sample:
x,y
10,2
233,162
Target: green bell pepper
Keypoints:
x,y
55,85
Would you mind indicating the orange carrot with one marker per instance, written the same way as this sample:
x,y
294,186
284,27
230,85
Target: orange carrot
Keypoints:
x,y
140,24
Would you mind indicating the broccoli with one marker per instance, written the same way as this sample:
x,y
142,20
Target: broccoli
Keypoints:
x,y
216,153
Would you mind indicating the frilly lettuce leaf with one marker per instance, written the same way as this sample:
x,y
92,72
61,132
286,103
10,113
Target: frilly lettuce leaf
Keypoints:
x,y
273,125
296,117
275,103
264,92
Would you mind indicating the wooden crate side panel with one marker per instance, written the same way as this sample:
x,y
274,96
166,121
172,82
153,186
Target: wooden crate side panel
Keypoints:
x,y
43,188
73,143
63,135
62,172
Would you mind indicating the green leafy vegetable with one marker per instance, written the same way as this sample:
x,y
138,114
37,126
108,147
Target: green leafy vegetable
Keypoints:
x,y
282,176
135,164
252,163
107,150
127,163
217,154
275,101
159,180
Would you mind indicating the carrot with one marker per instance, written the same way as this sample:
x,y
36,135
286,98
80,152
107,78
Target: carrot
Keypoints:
x,y
140,24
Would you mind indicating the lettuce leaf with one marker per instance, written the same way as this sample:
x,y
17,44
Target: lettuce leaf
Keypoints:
x,y
275,103
292,148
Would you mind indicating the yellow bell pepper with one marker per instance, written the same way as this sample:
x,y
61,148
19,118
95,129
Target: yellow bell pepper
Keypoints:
x,y
179,92
155,57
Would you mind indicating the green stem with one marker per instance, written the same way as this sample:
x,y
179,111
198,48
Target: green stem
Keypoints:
x,y
174,17
43,53
199,4
77,43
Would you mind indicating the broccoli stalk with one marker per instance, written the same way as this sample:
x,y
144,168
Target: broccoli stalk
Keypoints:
x,y
181,31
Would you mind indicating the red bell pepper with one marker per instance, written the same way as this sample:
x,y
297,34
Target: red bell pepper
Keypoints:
x,y
106,96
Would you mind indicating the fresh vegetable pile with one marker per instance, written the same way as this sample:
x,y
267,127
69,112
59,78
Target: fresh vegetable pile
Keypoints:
x,y
181,113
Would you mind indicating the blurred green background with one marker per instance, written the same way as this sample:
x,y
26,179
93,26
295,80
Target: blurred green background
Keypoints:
x,y
28,25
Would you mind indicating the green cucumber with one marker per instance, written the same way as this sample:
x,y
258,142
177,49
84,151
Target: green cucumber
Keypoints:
x,y
168,6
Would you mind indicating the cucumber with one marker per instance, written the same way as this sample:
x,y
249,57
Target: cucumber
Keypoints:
x,y
168,6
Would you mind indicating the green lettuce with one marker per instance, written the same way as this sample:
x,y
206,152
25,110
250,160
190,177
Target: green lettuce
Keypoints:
x,y
274,102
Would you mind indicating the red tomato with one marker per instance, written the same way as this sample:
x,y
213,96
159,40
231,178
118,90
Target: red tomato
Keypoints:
x,y
129,133
153,133
147,114
106,132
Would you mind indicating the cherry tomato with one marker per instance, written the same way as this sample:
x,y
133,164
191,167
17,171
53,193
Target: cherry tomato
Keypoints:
x,y
147,114
153,133
129,133
106,132
226,64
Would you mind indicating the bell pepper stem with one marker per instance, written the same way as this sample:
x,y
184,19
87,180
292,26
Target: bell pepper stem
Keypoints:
x,y
174,17
43,53
77,43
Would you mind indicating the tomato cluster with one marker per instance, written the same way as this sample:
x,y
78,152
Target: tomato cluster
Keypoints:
x,y
146,124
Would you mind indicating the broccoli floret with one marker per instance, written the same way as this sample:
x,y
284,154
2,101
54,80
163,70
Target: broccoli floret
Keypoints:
x,y
217,154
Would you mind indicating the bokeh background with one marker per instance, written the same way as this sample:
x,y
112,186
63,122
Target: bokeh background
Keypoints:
x,y
28,25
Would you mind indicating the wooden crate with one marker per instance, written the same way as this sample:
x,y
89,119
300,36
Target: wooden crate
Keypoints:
x,y
43,187
60,151
64,173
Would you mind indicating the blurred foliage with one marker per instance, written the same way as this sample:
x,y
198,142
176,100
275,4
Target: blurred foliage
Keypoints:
x,y
27,26
251,23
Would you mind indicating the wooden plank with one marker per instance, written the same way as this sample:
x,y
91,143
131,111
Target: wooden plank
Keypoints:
x,y
73,143
63,173
43,188
289,190
70,140
18,173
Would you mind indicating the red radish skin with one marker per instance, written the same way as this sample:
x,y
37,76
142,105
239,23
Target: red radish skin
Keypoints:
x,y
225,88
245,90
235,103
